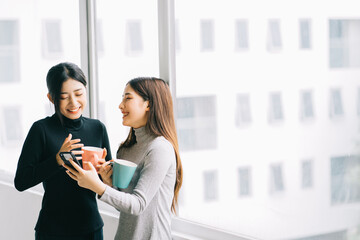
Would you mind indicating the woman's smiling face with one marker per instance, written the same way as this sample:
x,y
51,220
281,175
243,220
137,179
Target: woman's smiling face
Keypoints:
x,y
133,108
72,99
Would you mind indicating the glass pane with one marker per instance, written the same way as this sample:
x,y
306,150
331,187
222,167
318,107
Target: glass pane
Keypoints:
x,y
305,34
344,38
23,66
128,49
287,178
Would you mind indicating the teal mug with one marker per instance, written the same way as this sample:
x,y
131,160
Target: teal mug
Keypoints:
x,y
123,172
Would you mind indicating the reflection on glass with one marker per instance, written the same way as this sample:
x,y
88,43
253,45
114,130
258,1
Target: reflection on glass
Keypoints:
x,y
286,97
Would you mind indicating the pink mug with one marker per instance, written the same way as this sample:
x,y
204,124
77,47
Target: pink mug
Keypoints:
x,y
89,156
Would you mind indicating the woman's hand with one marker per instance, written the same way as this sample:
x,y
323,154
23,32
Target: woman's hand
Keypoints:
x,y
69,145
106,171
86,178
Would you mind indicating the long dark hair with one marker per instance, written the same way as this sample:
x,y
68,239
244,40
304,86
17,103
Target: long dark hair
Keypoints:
x,y
55,78
161,121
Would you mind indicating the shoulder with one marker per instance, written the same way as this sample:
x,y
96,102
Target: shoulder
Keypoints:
x,y
161,146
42,123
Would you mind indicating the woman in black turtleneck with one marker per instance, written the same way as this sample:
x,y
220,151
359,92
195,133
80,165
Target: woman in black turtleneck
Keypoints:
x,y
68,211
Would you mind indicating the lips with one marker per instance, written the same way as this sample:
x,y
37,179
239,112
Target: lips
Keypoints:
x,y
125,114
74,110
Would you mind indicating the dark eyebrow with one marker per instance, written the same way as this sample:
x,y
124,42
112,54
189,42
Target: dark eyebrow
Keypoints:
x,y
126,94
74,91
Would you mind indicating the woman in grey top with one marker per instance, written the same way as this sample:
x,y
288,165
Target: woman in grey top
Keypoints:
x,y
146,205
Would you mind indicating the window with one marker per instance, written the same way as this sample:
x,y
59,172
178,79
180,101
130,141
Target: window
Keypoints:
x,y
244,176
12,127
134,42
276,178
336,106
211,186
207,35
274,42
305,33
307,111
243,113
345,179
344,36
52,42
9,51
306,174
28,31
275,111
241,35
125,31
196,125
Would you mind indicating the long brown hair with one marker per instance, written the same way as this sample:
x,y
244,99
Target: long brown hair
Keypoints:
x,y
161,121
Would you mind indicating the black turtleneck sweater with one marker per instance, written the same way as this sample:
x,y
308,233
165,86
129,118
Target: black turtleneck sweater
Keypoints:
x,y
67,209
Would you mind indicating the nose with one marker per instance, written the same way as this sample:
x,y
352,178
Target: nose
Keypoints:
x,y
73,101
121,106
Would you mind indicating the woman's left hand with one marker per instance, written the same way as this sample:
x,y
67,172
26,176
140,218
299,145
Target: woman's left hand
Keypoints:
x,y
86,178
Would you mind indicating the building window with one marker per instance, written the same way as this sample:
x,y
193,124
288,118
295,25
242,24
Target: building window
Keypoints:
x,y
243,113
244,175
207,35
211,186
276,110
11,128
9,51
336,106
305,33
134,40
306,105
344,38
52,41
306,174
276,178
345,179
241,35
196,123
274,41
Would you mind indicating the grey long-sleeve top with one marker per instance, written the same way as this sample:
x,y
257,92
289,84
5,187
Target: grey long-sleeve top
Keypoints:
x,y
145,206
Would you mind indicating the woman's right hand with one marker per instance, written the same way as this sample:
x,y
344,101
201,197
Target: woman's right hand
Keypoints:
x,y
67,146
106,172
